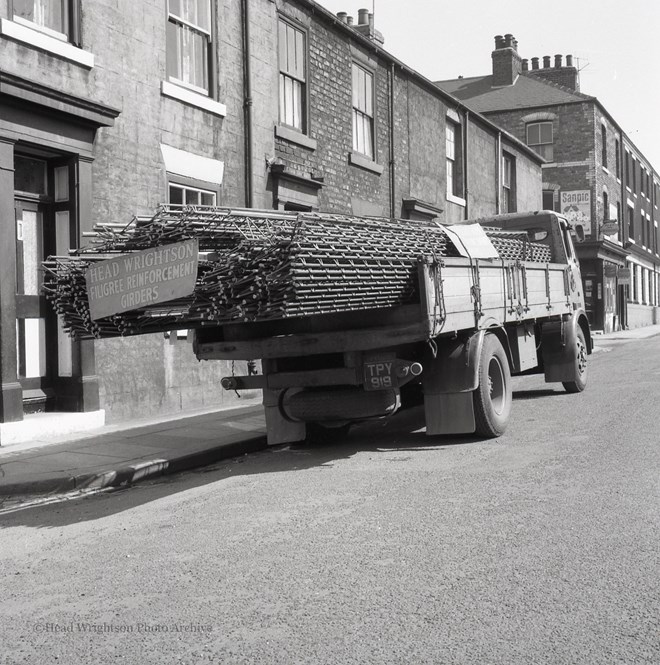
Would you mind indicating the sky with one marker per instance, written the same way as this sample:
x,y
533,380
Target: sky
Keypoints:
x,y
614,44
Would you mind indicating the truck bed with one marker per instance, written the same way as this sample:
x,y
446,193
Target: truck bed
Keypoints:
x,y
454,294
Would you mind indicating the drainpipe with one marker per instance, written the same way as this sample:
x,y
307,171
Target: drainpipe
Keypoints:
x,y
466,178
498,171
247,104
392,153
625,289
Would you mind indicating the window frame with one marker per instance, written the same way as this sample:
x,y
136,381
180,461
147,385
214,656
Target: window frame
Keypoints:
x,y
538,147
211,41
603,147
510,186
455,171
617,157
304,81
191,184
357,113
71,22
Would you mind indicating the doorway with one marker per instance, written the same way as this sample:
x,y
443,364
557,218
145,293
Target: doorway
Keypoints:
x,y
43,216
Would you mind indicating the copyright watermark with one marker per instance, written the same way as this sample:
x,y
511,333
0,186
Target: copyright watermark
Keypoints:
x,y
100,628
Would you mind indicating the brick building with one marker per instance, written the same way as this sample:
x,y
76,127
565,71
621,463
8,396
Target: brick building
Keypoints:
x,y
109,108
593,173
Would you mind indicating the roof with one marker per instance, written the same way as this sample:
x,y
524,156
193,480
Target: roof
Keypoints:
x,y
527,91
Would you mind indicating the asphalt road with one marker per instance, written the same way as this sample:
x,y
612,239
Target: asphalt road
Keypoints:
x,y
539,547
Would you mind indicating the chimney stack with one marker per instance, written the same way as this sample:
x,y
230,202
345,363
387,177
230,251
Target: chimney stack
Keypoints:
x,y
507,64
365,26
566,76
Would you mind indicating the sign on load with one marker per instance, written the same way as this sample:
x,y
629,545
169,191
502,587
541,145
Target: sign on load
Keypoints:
x,y
140,279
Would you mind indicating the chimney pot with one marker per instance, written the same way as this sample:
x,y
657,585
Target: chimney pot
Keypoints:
x,y
546,61
508,40
535,63
569,60
499,41
558,61
342,16
525,65
363,17
349,20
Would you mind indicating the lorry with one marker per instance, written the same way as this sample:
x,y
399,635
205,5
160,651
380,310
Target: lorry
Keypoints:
x,y
478,319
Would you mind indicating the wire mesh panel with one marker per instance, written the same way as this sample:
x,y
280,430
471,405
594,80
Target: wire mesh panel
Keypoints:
x,y
263,265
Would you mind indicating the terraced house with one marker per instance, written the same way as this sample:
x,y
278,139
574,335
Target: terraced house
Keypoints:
x,y
109,108
593,173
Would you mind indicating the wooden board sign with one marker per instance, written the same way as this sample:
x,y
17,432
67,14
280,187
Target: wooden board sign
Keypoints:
x,y
139,279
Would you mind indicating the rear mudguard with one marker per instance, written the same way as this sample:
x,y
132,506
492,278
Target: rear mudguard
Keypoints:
x,y
558,339
452,365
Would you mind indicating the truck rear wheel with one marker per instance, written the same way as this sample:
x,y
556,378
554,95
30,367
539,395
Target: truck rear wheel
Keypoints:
x,y
580,382
493,396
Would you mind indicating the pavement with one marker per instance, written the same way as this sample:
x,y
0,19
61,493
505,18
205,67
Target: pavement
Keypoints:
x,y
119,455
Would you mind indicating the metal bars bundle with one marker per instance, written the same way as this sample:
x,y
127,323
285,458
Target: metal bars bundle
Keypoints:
x,y
263,265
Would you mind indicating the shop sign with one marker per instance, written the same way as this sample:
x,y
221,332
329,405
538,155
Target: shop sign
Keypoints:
x,y
623,275
609,228
610,270
138,279
576,207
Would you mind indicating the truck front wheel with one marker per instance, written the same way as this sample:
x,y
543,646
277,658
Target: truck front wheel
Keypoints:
x,y
580,382
492,398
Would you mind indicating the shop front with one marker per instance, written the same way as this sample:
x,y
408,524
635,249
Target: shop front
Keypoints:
x,y
603,266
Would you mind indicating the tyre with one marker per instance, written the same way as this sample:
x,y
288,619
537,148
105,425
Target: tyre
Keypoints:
x,y
326,434
493,396
580,382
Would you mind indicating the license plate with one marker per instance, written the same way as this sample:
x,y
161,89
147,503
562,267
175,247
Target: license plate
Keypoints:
x,y
379,375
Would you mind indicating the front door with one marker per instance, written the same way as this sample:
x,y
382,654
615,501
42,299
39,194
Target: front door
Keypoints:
x,y
42,213
609,297
32,316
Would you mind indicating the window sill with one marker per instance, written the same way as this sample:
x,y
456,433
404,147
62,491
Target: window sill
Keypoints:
x,y
40,40
192,98
295,136
456,199
364,162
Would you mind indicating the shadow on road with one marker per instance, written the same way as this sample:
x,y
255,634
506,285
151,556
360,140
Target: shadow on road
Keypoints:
x,y
536,394
402,433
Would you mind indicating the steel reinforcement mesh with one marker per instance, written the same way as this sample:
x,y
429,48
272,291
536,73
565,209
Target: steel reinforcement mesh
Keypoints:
x,y
260,266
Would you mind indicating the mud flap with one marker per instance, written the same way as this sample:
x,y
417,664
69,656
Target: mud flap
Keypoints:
x,y
449,413
558,340
449,379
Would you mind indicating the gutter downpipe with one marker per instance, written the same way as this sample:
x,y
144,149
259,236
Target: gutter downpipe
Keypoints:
x,y
498,170
625,293
465,163
392,158
247,103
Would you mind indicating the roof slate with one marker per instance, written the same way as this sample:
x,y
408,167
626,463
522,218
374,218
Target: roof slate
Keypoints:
x,y
527,91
